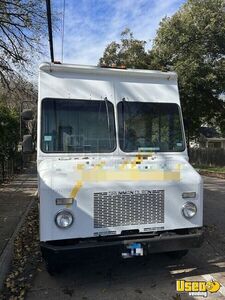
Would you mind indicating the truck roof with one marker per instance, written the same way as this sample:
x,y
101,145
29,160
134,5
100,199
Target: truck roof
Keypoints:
x,y
48,67
67,81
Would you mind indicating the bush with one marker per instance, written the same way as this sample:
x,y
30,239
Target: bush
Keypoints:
x,y
9,134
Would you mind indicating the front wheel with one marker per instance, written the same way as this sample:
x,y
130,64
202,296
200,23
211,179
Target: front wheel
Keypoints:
x,y
177,254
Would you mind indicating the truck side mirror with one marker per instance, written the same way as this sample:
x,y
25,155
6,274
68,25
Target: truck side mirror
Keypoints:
x,y
27,114
27,145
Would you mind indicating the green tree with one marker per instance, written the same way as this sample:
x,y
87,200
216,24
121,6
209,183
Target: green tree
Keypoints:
x,y
9,137
129,52
192,42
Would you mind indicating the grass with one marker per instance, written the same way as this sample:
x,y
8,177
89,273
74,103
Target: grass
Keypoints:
x,y
211,169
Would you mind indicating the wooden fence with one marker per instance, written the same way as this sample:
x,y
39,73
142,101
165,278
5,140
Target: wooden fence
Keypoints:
x,y
207,157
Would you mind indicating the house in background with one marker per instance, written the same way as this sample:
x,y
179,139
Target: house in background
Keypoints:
x,y
211,138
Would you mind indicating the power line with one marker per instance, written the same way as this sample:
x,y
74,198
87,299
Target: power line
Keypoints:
x,y
49,18
63,27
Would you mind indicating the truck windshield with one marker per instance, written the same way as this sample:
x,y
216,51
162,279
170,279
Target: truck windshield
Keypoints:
x,y
78,126
147,127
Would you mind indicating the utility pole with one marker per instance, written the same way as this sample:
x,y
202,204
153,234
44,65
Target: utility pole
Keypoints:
x,y
49,18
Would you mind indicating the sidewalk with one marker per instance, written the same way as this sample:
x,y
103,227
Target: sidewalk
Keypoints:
x,y
15,198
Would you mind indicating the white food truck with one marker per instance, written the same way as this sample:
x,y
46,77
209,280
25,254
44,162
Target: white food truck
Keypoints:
x,y
113,165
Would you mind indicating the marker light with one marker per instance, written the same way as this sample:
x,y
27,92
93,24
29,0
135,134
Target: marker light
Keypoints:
x,y
64,219
189,195
64,201
189,210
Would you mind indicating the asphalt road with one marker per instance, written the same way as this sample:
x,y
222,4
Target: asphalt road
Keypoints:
x,y
152,277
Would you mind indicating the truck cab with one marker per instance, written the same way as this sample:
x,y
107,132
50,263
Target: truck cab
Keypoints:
x,y
112,163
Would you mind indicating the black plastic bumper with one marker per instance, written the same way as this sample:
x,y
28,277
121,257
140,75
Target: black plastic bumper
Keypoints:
x,y
163,242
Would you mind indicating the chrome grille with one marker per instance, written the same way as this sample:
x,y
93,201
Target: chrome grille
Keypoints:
x,y
113,209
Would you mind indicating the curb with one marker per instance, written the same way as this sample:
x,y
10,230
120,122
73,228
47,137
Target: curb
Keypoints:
x,y
7,254
212,174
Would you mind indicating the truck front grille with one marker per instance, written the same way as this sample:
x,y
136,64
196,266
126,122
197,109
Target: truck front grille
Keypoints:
x,y
113,209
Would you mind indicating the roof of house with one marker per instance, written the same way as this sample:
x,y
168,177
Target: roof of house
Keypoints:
x,y
210,132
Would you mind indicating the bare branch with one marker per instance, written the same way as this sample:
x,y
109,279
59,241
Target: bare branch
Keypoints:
x,y
22,26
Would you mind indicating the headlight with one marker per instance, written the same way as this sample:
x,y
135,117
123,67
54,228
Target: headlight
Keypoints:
x,y
64,219
189,210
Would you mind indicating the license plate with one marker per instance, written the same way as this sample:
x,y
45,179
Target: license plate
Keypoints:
x,y
134,249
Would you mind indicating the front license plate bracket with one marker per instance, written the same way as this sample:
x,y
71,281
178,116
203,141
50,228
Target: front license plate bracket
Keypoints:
x,y
133,250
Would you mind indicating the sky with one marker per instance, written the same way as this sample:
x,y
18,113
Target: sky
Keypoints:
x,y
90,25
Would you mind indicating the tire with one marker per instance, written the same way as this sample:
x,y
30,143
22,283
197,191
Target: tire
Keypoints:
x,y
177,254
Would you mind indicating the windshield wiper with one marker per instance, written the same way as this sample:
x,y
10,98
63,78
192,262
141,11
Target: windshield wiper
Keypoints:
x,y
123,121
108,123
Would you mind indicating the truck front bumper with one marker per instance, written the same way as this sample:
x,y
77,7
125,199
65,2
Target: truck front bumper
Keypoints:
x,y
151,243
